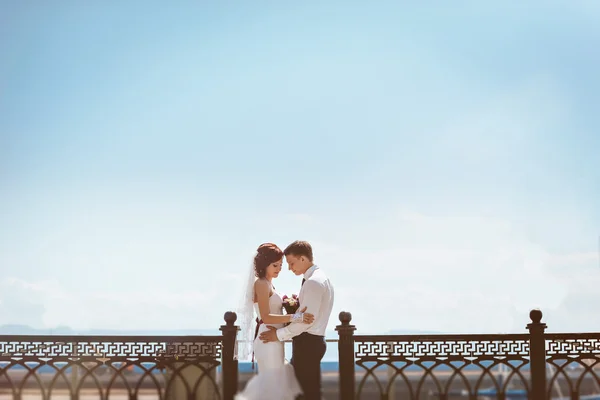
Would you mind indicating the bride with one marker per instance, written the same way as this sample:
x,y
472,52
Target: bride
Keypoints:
x,y
276,379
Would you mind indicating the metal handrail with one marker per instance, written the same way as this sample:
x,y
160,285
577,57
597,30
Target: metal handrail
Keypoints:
x,y
290,341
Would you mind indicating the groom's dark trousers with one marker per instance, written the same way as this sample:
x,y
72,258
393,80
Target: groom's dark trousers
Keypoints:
x,y
307,352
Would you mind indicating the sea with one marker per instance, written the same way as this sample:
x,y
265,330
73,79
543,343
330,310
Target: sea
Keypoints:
x,y
326,366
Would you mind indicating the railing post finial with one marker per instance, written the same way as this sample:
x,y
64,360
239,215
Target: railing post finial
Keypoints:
x,y
230,317
536,317
345,318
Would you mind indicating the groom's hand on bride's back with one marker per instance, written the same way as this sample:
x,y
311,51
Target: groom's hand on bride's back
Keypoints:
x,y
270,335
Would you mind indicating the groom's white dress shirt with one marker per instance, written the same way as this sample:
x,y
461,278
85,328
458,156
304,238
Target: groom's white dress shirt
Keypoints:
x,y
317,295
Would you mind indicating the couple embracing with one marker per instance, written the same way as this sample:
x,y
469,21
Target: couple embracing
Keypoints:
x,y
264,336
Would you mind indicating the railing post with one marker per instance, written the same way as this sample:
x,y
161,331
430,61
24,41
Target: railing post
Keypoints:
x,y
230,364
346,356
75,372
537,355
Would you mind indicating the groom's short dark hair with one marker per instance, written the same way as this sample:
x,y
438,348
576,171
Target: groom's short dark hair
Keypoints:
x,y
299,248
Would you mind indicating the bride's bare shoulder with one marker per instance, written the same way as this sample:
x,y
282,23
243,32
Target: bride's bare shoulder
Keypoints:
x,y
261,284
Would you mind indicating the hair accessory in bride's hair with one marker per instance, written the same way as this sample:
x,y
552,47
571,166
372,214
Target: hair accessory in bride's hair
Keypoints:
x,y
263,247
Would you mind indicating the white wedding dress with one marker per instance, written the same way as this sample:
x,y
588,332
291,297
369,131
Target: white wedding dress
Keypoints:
x,y
275,379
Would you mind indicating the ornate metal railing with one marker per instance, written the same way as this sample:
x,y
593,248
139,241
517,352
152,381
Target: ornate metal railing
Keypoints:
x,y
572,361
442,365
167,367
534,365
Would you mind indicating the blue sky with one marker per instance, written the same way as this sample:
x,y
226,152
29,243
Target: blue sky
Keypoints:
x,y
441,159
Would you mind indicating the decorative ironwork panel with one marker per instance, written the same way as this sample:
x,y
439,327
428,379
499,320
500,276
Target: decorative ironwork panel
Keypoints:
x,y
572,344
446,347
432,366
130,366
109,348
573,365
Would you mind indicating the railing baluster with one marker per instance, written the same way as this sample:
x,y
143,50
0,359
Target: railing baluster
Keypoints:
x,y
75,373
346,356
230,365
537,358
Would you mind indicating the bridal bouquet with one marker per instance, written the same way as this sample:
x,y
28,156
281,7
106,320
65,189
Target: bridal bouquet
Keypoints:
x,y
291,304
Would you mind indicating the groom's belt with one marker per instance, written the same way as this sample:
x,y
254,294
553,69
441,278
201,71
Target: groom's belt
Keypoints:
x,y
307,335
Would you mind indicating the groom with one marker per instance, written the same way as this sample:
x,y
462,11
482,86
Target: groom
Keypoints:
x,y
309,345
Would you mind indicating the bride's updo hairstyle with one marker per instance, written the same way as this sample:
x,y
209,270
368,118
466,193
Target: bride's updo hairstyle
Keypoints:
x,y
267,253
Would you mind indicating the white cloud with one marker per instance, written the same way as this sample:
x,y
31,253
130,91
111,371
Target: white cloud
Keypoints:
x,y
407,269
577,258
454,273
46,304
22,303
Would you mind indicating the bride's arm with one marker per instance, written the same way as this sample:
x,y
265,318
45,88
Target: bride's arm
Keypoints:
x,y
262,290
